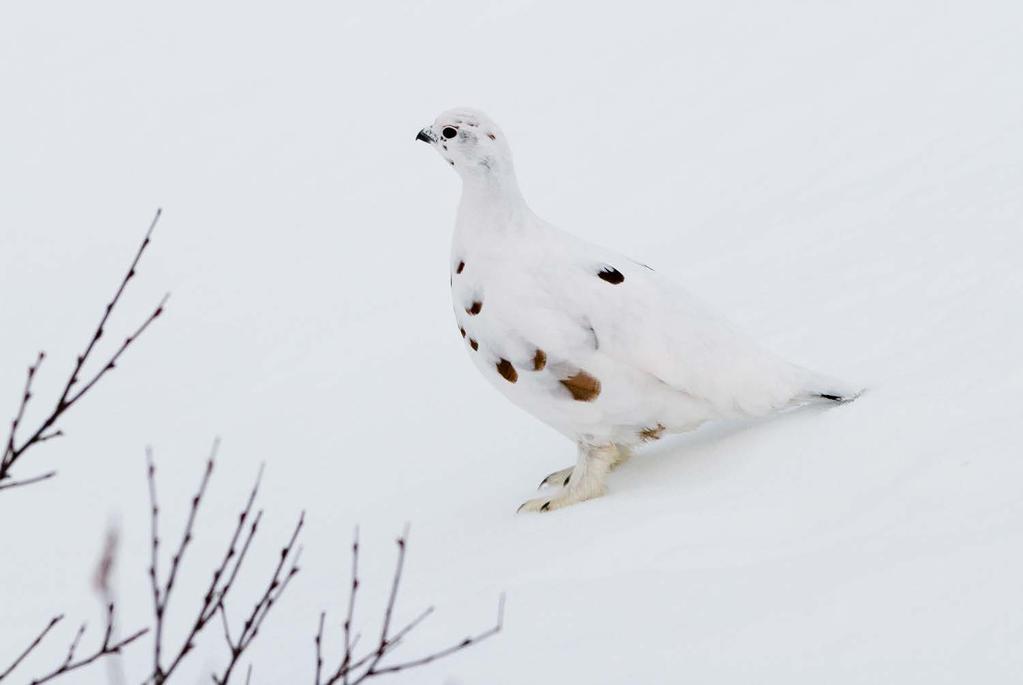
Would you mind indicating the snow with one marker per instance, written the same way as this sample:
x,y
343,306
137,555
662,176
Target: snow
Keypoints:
x,y
842,179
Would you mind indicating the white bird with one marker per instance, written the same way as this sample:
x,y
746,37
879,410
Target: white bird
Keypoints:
x,y
602,348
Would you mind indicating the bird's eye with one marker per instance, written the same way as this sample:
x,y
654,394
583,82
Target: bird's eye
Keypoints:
x,y
449,132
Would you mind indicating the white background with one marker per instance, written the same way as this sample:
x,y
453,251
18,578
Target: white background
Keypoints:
x,y
844,180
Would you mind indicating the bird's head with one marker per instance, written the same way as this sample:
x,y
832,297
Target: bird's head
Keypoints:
x,y
471,143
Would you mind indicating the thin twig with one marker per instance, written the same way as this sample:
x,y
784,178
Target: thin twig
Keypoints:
x,y
452,649
223,578
26,395
186,537
354,670
154,583
161,595
27,481
346,662
108,647
274,589
318,641
13,450
215,596
35,643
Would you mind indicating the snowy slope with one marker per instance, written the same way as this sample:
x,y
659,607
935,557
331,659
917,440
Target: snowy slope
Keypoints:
x,y
844,180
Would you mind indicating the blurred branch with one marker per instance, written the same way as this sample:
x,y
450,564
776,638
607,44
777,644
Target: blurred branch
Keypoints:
x,y
353,670
214,599
74,388
102,583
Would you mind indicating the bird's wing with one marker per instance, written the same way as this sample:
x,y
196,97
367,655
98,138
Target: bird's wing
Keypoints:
x,y
578,300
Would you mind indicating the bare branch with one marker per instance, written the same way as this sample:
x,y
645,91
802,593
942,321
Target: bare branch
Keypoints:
x,y
26,395
467,642
112,362
318,641
393,597
35,643
349,646
13,450
162,595
223,578
107,648
27,481
353,670
190,524
274,589
154,583
223,619
74,646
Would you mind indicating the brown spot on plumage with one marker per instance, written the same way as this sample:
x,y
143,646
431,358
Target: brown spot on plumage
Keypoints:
x,y
505,368
475,309
461,265
491,136
539,360
473,344
583,386
649,434
462,331
611,275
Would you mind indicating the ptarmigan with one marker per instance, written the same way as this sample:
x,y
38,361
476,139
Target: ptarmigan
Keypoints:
x,y
602,348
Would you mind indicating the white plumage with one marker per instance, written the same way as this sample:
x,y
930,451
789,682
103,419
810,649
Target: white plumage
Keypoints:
x,y
604,349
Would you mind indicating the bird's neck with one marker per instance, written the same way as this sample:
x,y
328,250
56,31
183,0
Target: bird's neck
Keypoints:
x,y
491,203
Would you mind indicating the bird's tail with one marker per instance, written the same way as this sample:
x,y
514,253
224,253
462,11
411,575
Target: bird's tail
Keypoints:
x,y
818,387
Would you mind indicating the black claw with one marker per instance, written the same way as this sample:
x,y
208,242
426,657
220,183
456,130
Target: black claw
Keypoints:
x,y
546,506
567,478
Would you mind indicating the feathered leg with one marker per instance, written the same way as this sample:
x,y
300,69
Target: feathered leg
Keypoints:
x,y
585,482
561,478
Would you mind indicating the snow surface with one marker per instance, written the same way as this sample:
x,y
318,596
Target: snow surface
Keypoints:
x,y
844,180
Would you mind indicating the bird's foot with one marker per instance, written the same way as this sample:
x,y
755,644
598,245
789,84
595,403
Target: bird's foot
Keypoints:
x,y
567,497
558,479
583,481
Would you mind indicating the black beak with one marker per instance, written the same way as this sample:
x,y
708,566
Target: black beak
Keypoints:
x,y
426,135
